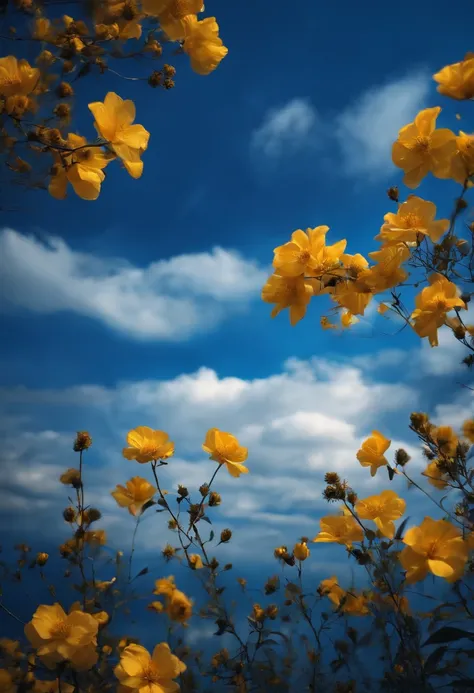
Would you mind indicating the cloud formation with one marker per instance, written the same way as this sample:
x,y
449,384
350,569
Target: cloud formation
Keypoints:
x,y
169,300
285,130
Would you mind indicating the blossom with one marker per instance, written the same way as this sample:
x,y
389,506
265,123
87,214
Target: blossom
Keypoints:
x,y
420,148
58,636
171,14
301,551
114,122
457,80
224,448
445,439
348,319
372,452
435,476
202,43
82,167
178,607
307,253
195,561
462,164
348,602
147,445
435,546
134,495
17,77
413,221
144,673
432,305
468,430
288,292
340,529
387,272
382,509
165,586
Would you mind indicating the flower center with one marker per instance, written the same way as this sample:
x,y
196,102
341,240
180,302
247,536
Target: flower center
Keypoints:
x,y
150,674
412,221
151,450
421,144
61,629
303,257
432,549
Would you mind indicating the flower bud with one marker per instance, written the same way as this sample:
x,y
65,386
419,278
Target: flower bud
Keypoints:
x,y
83,440
226,535
214,499
41,559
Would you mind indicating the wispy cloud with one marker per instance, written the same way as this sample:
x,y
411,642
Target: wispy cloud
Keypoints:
x,y
359,138
285,130
366,129
167,300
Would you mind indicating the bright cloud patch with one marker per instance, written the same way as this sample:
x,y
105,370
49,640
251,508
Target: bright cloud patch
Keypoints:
x,y
366,129
168,300
286,129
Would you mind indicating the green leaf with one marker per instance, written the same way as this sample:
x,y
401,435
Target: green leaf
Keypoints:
x,y
401,529
143,571
447,634
211,536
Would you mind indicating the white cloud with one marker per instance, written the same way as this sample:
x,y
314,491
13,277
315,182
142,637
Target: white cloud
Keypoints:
x,y
168,300
366,129
285,129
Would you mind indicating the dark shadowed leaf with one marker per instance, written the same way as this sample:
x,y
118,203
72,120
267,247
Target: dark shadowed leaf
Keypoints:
x,y
434,659
447,634
401,529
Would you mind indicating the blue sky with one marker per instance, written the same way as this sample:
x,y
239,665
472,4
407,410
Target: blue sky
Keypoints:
x,y
143,308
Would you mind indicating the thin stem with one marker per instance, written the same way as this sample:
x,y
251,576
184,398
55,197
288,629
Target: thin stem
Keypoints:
x,y
132,550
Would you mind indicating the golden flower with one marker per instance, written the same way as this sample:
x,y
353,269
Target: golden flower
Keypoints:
x,y
224,448
421,148
114,122
96,537
58,636
72,476
52,686
347,319
195,561
435,546
348,602
17,77
202,43
307,253
387,272
178,607
462,164
81,167
445,439
382,509
371,453
258,614
140,672
165,586
457,80
468,430
413,221
435,476
6,682
171,14
288,292
147,445
301,551
432,305
341,529
134,495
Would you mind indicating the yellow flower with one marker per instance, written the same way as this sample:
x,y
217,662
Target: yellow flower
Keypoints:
x,y
326,324
382,509
141,673
114,122
462,164
96,537
308,254
372,452
134,495
413,221
195,561
202,44
301,551
446,440
432,305
468,430
387,272
171,14
42,29
421,148
17,77
147,445
457,80
435,476
58,636
224,448
340,529
435,546
348,602
6,682
347,319
52,687
288,292
82,168
355,604
178,607
165,586
331,588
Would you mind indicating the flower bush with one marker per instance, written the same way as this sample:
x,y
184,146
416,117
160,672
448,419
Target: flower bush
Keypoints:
x,y
289,645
